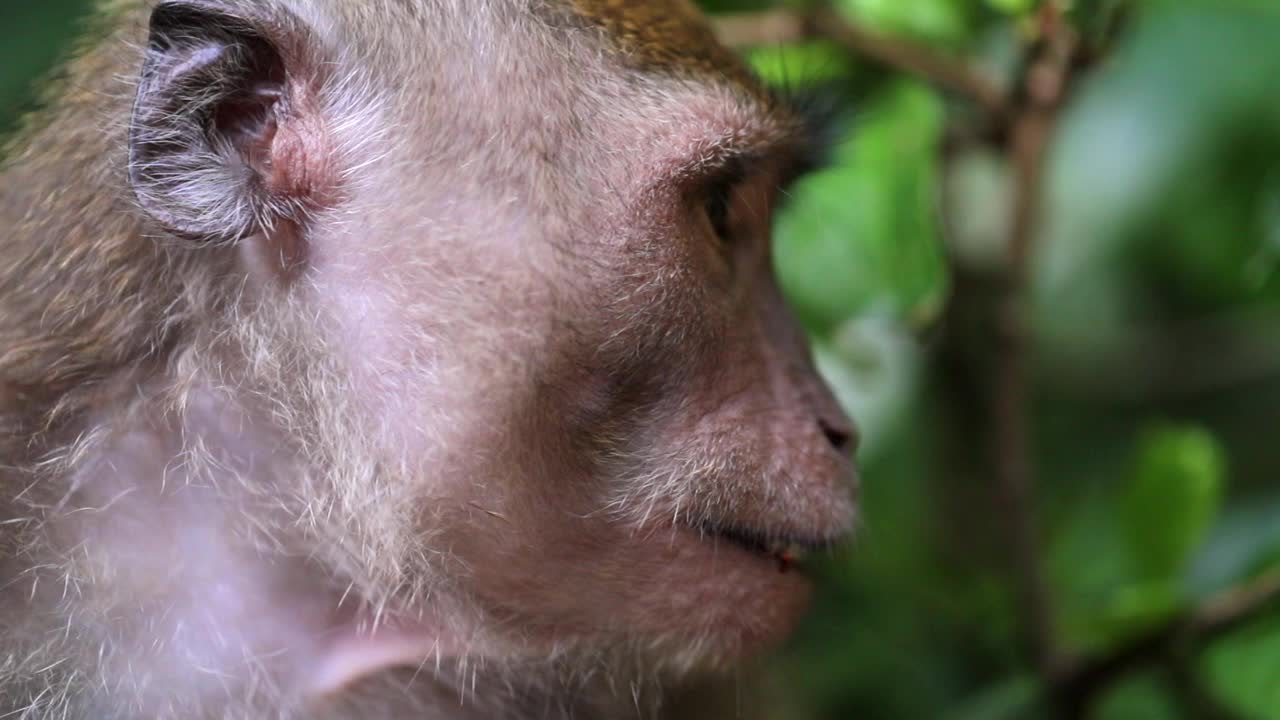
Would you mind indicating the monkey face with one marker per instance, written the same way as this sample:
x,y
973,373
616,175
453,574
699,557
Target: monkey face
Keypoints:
x,y
619,433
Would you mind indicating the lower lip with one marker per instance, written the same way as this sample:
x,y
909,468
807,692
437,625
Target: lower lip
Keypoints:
x,y
785,559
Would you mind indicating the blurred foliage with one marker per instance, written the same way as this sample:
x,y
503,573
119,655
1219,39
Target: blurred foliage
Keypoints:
x,y
35,35
1154,313
1154,306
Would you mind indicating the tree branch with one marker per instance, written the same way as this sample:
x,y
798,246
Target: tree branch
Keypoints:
x,y
1222,613
943,71
1033,120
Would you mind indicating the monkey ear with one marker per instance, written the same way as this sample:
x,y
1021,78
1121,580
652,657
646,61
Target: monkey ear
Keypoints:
x,y
207,122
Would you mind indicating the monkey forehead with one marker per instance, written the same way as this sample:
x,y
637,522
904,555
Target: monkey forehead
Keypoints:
x,y
660,36
691,131
695,100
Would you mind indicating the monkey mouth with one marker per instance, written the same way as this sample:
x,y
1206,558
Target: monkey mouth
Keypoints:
x,y
786,551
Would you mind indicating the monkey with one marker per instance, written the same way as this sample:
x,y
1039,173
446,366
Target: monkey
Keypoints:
x,y
401,359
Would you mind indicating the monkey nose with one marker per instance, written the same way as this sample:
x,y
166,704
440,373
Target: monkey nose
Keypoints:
x,y
841,436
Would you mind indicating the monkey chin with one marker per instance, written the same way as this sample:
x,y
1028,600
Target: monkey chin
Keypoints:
x,y
718,601
740,593
718,591
762,599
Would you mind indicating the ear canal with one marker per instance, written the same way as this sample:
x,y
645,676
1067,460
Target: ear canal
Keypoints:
x,y
203,121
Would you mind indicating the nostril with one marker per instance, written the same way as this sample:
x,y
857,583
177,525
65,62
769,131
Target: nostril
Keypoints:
x,y
840,438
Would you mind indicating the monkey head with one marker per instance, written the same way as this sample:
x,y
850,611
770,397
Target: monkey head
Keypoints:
x,y
496,278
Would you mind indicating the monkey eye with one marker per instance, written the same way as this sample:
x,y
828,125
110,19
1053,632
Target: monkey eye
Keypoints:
x,y
716,207
720,189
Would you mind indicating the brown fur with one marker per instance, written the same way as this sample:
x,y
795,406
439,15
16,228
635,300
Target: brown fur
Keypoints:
x,y
671,37
445,415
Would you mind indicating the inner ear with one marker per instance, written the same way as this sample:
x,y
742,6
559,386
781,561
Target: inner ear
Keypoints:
x,y
214,91
249,116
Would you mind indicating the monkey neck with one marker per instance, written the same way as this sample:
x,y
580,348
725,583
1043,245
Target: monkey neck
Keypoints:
x,y
191,578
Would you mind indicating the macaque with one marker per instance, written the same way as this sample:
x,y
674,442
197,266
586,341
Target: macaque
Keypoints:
x,y
400,359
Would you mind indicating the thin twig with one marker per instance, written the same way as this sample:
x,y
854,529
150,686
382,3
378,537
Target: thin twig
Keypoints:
x,y
1186,683
1046,82
1222,613
944,71
1225,611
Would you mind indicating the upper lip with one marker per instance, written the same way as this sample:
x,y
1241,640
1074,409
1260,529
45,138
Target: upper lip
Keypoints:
x,y
782,546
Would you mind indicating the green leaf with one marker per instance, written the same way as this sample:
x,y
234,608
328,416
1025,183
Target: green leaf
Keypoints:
x,y
864,233
1244,669
1173,498
1122,558
1138,606
1089,562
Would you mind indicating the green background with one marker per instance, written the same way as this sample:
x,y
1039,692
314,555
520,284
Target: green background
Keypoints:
x,y
1153,323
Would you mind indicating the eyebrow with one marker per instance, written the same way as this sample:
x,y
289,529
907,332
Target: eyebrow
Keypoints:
x,y
738,158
